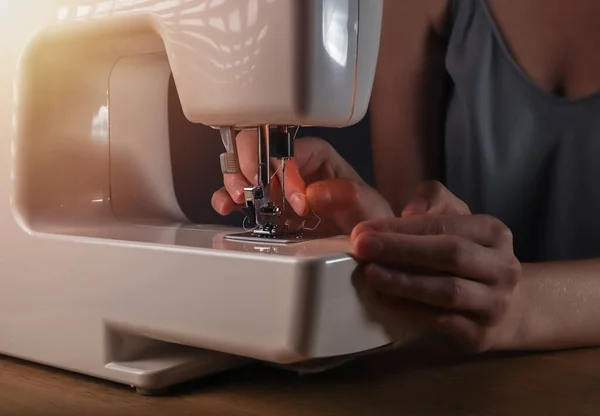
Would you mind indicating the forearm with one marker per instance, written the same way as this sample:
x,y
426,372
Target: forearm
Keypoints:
x,y
407,99
557,306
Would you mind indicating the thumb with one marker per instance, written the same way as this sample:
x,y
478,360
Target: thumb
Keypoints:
x,y
434,198
418,205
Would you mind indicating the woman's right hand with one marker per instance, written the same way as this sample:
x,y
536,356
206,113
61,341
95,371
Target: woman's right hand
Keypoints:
x,y
317,180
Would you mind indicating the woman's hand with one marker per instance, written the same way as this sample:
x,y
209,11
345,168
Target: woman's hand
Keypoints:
x,y
317,180
461,267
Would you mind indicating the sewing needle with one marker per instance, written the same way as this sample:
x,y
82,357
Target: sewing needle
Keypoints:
x,y
283,182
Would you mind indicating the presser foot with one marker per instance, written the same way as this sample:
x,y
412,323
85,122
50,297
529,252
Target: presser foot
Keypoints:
x,y
271,229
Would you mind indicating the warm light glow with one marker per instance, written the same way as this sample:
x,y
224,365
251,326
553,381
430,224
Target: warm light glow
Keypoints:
x,y
62,13
104,8
83,11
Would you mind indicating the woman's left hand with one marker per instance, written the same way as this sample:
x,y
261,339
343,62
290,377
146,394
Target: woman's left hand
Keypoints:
x,y
460,266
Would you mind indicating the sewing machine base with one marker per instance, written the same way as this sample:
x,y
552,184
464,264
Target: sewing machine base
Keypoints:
x,y
152,306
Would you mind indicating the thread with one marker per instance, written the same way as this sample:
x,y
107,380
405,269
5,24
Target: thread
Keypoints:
x,y
315,227
244,225
276,172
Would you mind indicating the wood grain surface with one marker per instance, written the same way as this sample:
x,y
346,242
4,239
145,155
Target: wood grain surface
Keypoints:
x,y
565,383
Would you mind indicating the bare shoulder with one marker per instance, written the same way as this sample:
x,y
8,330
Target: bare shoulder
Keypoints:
x,y
438,12
431,13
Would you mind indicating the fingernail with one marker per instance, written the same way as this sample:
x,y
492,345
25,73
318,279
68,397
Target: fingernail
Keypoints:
x,y
237,196
378,274
370,246
298,202
416,207
319,196
220,206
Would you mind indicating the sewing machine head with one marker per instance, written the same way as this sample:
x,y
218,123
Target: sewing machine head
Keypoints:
x,y
105,94
274,66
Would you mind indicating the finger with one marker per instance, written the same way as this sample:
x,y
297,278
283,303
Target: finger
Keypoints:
x,y
449,254
248,154
316,157
335,195
347,202
313,157
432,197
481,229
295,187
248,157
222,203
235,184
348,195
446,292
338,201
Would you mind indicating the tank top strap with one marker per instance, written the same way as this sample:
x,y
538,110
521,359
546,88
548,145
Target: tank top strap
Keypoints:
x,y
459,12
463,6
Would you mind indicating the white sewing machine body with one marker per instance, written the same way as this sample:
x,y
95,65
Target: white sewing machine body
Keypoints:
x,y
101,272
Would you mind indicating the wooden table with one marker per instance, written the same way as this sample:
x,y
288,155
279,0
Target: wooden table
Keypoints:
x,y
566,383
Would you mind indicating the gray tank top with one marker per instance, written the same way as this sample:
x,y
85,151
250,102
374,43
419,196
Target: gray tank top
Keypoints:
x,y
515,151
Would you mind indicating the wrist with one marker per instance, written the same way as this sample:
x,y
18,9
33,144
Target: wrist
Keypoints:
x,y
516,332
512,332
510,329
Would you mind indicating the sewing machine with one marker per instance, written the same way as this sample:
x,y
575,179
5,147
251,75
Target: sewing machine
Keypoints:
x,y
101,270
